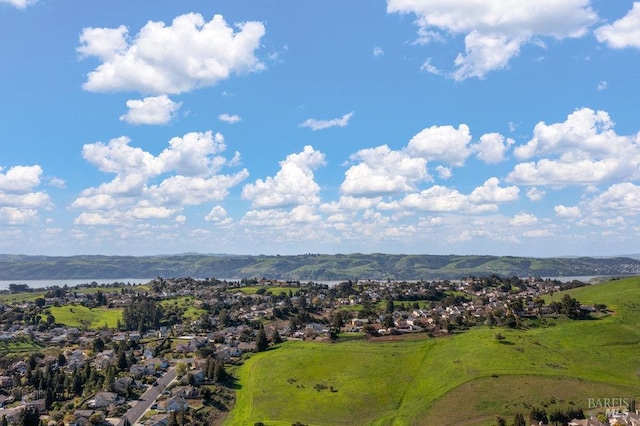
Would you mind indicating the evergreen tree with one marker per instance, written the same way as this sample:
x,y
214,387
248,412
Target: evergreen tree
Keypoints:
x,y
276,338
220,374
261,341
519,420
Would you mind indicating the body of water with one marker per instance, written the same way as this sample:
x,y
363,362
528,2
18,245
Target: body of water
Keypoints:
x,y
4,284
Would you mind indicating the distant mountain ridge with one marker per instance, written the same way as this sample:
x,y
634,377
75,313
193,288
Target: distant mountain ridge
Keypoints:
x,y
306,267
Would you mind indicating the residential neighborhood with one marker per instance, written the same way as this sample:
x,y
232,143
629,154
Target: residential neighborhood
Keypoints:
x,y
178,339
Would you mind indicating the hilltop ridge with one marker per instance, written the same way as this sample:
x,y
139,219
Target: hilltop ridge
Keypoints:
x,y
307,266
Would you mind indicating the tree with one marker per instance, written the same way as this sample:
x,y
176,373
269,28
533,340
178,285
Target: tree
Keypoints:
x,y
181,368
389,306
98,345
261,341
519,420
501,421
276,338
219,372
538,415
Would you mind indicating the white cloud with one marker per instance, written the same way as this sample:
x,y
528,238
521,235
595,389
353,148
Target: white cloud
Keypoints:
x,y
16,216
602,85
20,4
185,173
279,218
151,110
218,215
620,198
428,67
523,219
227,118
492,147
495,30
580,151
442,143
444,172
294,183
535,194
625,32
20,178
538,233
188,54
436,199
314,124
491,192
383,171
19,200
564,212
378,51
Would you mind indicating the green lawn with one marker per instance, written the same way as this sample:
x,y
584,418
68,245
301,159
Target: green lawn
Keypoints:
x,y
21,297
273,290
413,382
83,317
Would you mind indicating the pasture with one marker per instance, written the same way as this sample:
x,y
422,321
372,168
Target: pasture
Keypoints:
x,y
86,318
467,378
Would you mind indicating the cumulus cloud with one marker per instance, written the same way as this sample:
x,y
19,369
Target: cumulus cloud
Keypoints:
x,y
218,216
436,199
564,212
151,110
381,171
146,186
495,30
19,198
20,4
625,32
535,194
491,192
492,147
188,54
621,198
582,150
378,51
314,124
227,118
523,219
442,143
293,185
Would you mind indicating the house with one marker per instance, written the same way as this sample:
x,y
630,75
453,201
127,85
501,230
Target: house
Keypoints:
x,y
157,420
11,414
123,384
37,404
6,382
197,376
105,399
176,403
188,392
139,370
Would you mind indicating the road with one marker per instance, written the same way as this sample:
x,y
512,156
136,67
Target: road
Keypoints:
x,y
149,397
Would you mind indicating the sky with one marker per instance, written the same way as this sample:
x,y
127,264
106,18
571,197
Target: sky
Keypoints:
x,y
496,127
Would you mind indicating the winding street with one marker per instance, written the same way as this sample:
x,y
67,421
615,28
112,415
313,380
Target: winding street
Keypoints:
x,y
149,397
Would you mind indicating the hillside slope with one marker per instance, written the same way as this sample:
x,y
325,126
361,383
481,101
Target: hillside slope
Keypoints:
x,y
306,267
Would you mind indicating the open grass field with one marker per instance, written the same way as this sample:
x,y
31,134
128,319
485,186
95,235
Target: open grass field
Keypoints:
x,y
463,379
187,303
272,290
20,297
18,347
83,317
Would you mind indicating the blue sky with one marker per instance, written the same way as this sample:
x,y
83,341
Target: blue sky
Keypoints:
x,y
284,127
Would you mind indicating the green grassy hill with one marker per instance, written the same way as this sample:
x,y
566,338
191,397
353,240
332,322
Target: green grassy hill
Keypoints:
x,y
307,267
464,379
